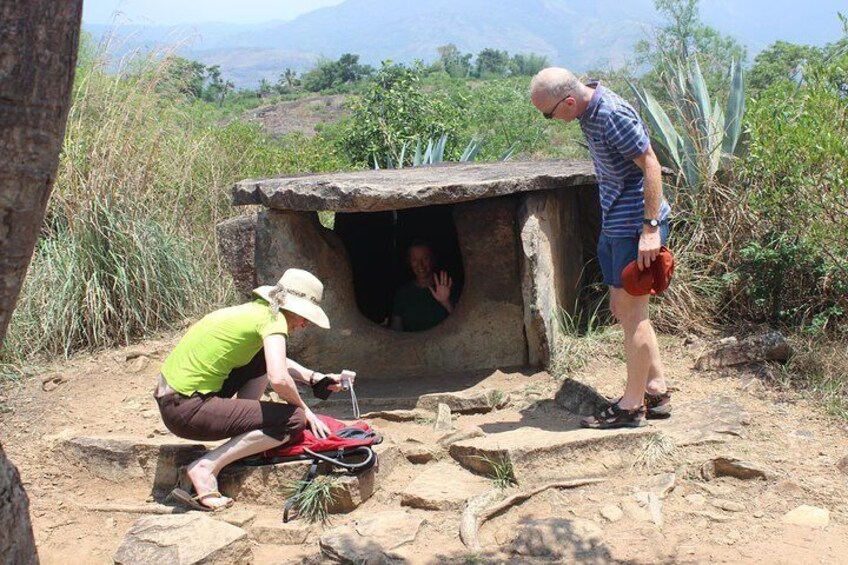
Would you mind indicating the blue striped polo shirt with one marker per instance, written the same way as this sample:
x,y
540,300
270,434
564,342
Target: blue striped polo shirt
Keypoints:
x,y
616,136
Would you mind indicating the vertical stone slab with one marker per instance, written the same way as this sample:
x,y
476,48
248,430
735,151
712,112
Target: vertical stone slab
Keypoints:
x,y
236,246
551,266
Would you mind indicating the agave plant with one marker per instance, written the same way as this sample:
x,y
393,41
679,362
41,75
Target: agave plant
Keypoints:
x,y
434,152
707,133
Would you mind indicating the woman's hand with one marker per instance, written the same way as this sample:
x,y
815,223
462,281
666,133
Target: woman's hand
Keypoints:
x,y
318,428
337,380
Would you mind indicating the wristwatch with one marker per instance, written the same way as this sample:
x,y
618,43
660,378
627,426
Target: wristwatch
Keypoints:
x,y
653,222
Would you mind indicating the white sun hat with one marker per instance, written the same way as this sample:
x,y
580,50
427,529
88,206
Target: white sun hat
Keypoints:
x,y
297,291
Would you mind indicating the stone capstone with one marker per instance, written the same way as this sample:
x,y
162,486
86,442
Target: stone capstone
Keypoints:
x,y
443,486
569,541
411,187
372,539
183,539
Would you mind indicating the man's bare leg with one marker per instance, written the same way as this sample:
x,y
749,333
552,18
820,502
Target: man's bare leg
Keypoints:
x,y
640,345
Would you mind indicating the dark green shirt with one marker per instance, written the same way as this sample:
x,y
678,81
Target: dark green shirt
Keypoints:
x,y
417,308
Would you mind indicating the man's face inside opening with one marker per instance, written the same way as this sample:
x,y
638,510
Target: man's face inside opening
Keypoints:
x,y
421,262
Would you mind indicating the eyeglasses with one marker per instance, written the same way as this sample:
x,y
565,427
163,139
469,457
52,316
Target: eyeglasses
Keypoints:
x,y
550,115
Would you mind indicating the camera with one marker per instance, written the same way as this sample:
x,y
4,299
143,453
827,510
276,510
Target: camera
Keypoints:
x,y
346,378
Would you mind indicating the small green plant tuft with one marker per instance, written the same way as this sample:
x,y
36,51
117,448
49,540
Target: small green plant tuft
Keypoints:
x,y
500,471
497,397
313,498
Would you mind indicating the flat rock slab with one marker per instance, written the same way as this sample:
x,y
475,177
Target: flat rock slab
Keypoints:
x,y
396,189
183,539
372,539
464,402
571,541
538,454
125,459
710,421
443,486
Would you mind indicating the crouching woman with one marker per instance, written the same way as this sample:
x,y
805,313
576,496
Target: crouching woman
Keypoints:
x,y
210,384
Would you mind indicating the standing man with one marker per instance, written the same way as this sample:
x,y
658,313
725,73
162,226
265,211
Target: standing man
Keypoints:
x,y
634,226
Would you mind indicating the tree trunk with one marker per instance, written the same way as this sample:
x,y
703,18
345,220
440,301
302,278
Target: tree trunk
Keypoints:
x,y
38,50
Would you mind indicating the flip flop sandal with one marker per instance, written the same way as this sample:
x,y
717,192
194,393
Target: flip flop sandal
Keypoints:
x,y
196,502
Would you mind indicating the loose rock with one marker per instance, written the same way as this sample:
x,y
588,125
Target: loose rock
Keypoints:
x,y
663,485
771,346
579,398
810,516
465,402
443,419
417,453
460,435
729,505
731,467
612,513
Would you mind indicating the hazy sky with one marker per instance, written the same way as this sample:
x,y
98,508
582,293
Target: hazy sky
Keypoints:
x,y
169,12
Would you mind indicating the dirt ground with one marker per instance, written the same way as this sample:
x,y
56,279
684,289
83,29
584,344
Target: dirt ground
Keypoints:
x,y
109,394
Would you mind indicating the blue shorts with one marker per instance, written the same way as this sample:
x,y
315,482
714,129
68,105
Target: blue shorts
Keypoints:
x,y
615,253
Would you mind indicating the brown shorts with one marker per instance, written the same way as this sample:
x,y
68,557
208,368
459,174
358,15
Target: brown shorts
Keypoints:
x,y
216,416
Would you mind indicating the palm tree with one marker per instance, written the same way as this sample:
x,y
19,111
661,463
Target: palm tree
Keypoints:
x,y
38,45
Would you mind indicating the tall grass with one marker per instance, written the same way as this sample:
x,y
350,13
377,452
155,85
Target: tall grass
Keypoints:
x,y
128,244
